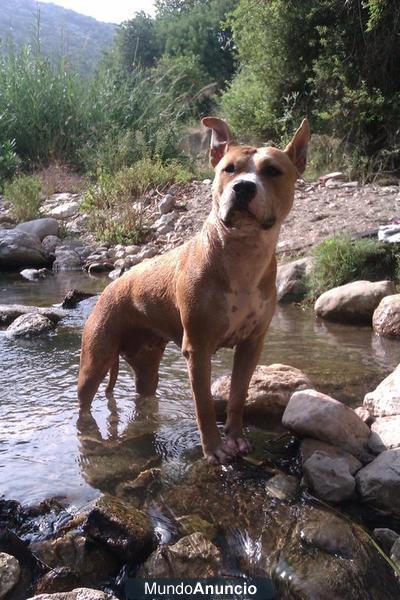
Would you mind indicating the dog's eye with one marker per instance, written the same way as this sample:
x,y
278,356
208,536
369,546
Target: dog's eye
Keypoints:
x,y
270,171
230,168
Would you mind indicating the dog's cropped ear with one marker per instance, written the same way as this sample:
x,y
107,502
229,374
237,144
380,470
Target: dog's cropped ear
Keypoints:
x,y
220,138
297,147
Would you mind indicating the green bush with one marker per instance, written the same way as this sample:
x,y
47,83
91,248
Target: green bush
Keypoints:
x,y
25,194
9,161
339,260
113,203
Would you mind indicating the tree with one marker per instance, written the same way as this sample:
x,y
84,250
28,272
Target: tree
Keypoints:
x,y
136,42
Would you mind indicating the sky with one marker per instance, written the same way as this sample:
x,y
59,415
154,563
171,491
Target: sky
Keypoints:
x,y
112,11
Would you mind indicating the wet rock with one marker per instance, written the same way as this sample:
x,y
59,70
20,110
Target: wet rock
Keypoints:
x,y
10,312
19,249
291,280
73,297
354,302
282,486
189,524
125,531
29,325
395,553
384,401
59,579
35,274
312,414
385,538
386,317
29,567
167,204
331,534
100,267
146,485
192,556
269,392
66,260
385,434
77,594
9,573
40,227
379,482
50,243
329,471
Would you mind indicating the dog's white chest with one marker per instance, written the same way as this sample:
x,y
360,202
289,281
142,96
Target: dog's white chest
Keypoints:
x,y
245,310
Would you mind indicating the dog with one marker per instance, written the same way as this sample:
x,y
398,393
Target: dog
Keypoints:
x,y
217,290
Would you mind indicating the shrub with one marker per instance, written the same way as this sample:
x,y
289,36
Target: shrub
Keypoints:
x,y
113,204
9,161
339,260
25,194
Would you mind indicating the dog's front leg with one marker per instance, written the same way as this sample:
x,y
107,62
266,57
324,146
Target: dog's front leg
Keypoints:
x,y
199,367
246,358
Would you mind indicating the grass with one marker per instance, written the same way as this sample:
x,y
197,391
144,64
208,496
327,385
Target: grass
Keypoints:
x,y
340,260
25,194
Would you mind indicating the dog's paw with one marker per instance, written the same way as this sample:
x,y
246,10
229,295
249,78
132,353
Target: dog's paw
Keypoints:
x,y
239,445
227,451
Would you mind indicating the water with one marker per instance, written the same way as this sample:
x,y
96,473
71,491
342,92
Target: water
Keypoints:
x,y
44,454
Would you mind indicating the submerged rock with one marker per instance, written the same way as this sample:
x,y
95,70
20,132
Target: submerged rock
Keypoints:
x,y
9,573
77,594
354,302
19,249
379,482
386,318
10,312
282,486
125,531
312,414
29,325
269,391
73,297
291,280
384,401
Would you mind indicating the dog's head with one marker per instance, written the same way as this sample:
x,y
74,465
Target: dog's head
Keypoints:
x,y
254,186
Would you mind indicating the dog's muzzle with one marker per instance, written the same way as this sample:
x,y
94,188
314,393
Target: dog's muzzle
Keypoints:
x,y
244,192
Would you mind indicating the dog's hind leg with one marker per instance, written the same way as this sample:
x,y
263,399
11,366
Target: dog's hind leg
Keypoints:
x,y
113,377
146,364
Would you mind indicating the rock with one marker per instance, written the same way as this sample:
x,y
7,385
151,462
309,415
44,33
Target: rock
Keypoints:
x,y
100,267
291,280
77,594
147,252
329,471
193,556
354,302
125,531
385,434
50,243
364,414
35,274
385,538
312,414
189,524
167,204
165,223
146,485
19,249
73,297
9,573
40,227
10,312
379,482
67,260
65,210
207,181
115,273
29,325
282,486
395,553
336,176
269,391
386,317
331,534
384,401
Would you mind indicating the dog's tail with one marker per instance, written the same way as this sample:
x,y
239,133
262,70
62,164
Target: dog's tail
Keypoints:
x,y
113,377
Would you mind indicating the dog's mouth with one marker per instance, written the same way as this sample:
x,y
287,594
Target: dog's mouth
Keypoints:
x,y
230,221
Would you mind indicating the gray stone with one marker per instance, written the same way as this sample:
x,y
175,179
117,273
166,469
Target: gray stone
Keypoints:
x,y
50,243
386,317
19,249
385,434
291,280
395,553
9,312
167,204
330,476
29,325
67,260
40,227
147,252
77,594
312,414
384,401
9,573
65,210
354,302
35,274
385,538
100,267
379,482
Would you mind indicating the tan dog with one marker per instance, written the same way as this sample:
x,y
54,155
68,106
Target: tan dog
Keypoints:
x,y
217,290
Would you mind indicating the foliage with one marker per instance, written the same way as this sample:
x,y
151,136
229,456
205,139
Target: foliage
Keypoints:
x,y
136,42
339,260
113,203
9,161
25,194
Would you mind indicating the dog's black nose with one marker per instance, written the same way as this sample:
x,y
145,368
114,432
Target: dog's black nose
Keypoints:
x,y
244,191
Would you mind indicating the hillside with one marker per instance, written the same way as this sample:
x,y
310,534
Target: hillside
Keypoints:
x,y
82,39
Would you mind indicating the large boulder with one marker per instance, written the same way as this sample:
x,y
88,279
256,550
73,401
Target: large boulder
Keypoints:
x,y
384,401
385,434
318,416
291,280
10,312
269,391
29,325
354,302
9,573
40,227
19,249
386,317
329,471
379,482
